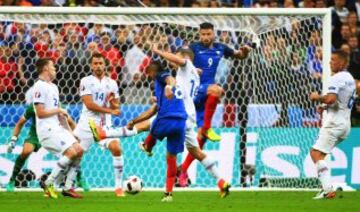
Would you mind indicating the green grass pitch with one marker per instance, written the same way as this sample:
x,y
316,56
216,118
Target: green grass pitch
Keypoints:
x,y
183,201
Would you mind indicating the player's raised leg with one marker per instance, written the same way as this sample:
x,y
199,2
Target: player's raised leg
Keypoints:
x,y
214,93
148,144
100,133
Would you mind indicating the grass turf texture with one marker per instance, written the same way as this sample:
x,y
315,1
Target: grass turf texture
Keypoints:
x,y
183,201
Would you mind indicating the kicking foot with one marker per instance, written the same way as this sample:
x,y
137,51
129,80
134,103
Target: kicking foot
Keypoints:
x,y
143,148
211,135
98,132
71,193
167,197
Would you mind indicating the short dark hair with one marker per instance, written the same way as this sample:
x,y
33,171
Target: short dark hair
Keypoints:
x,y
206,25
342,55
41,63
186,51
97,55
155,64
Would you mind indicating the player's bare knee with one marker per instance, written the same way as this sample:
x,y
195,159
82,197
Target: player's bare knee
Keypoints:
x,y
316,155
201,154
196,153
170,155
78,149
71,153
80,152
199,133
215,90
25,154
114,148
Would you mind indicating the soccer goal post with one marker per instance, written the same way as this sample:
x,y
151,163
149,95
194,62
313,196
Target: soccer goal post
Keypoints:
x,y
266,120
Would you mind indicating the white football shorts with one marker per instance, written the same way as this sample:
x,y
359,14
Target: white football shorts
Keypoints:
x,y
329,137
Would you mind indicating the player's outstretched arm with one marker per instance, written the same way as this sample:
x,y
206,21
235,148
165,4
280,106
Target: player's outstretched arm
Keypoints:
x,y
41,112
242,52
91,105
143,116
169,56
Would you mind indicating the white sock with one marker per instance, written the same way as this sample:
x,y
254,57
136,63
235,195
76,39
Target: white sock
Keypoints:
x,y
210,167
115,132
118,162
60,166
324,175
71,175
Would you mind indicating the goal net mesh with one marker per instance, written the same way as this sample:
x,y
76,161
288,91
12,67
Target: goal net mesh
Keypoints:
x,y
266,95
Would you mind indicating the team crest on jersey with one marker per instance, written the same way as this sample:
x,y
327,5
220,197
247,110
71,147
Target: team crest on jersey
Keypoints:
x,y
217,52
62,143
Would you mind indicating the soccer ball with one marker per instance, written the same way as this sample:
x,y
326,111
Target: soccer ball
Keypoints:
x,y
133,185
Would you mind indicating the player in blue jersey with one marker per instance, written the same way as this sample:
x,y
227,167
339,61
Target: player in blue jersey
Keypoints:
x,y
207,55
169,122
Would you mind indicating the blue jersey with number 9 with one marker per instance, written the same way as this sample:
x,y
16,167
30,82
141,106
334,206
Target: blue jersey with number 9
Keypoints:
x,y
207,59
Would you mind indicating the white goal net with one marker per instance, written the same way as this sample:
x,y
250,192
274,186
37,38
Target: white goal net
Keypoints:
x,y
266,120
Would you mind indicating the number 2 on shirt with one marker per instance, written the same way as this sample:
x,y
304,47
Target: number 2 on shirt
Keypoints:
x,y
56,102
